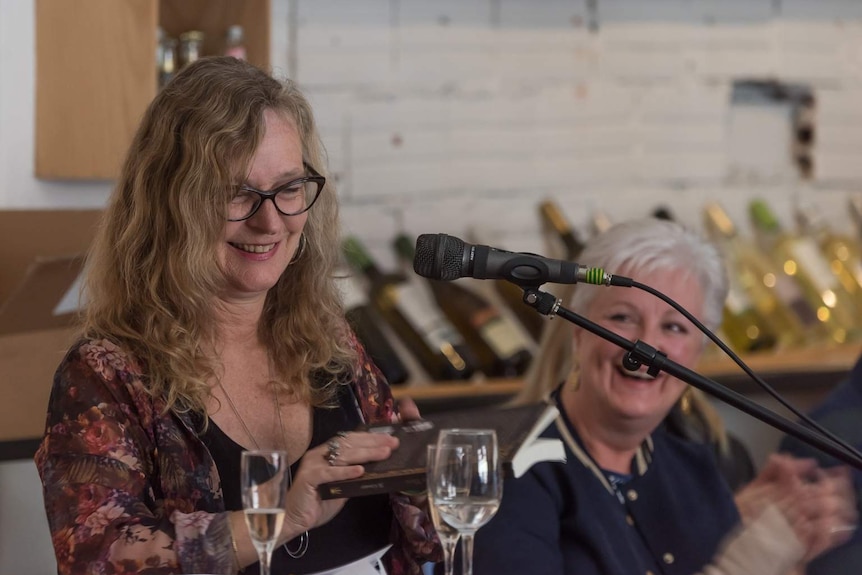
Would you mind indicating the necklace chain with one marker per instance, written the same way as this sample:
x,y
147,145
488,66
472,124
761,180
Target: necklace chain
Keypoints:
x,y
303,538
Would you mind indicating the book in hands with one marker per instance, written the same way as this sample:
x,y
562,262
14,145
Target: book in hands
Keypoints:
x,y
518,429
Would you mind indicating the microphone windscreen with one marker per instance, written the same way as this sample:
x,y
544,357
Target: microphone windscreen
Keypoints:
x,y
438,256
450,257
423,257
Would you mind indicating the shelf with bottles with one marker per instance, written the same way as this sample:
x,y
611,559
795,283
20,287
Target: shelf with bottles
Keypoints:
x,y
778,326
189,30
96,72
810,368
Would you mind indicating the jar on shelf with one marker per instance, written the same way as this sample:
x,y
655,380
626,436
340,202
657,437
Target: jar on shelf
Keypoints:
x,y
167,59
234,44
191,46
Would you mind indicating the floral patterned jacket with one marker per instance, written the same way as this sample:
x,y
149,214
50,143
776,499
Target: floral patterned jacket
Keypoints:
x,y
129,490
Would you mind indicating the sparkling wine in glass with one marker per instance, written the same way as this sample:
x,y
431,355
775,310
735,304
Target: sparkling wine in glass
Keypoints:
x,y
264,481
467,483
448,535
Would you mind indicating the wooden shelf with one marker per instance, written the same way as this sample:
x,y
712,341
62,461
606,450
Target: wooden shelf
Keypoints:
x,y
814,366
96,72
809,360
212,17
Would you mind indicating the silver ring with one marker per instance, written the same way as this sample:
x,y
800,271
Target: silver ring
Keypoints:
x,y
333,452
842,528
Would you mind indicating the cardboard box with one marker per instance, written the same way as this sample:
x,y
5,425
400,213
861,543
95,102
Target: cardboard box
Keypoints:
x,y
41,253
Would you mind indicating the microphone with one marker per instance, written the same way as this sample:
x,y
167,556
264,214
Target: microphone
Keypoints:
x,y
444,257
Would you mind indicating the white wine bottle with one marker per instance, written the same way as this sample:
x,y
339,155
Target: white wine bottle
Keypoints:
x,y
842,252
741,325
765,297
801,259
423,329
500,347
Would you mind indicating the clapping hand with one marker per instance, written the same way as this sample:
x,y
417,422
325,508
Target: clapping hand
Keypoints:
x,y
819,504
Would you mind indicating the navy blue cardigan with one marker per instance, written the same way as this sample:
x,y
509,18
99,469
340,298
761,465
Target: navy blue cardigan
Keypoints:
x,y
840,413
565,518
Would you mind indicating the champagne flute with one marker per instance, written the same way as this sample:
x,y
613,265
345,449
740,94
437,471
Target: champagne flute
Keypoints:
x,y
448,535
467,483
264,481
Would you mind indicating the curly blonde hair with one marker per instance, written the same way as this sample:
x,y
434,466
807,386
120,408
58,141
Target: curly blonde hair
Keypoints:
x,y
151,272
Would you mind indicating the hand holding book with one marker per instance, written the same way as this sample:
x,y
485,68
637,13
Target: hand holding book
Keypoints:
x,y
518,430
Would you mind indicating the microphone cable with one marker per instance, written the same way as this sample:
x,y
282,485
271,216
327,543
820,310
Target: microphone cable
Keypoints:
x,y
736,359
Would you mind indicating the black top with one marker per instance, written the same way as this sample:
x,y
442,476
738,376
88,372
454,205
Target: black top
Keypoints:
x,y
361,527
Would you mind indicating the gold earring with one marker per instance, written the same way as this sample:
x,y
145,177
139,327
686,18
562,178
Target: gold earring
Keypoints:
x,y
573,380
685,401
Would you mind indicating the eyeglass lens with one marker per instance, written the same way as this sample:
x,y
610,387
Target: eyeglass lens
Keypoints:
x,y
291,199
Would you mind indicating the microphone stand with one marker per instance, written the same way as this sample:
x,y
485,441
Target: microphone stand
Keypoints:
x,y
640,353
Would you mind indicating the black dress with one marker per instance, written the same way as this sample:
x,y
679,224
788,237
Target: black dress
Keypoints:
x,y
361,527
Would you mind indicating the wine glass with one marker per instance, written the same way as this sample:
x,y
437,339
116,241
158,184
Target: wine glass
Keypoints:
x,y
467,484
448,535
264,481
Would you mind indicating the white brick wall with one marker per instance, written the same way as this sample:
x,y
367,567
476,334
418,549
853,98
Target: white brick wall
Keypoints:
x,y
445,116
451,114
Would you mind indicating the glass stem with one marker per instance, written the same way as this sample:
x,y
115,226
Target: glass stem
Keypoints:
x,y
449,544
265,555
467,553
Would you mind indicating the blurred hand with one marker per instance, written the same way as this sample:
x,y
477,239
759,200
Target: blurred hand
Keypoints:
x,y
777,477
819,504
408,409
828,507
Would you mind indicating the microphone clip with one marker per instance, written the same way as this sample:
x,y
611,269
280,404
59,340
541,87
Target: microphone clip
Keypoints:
x,y
643,353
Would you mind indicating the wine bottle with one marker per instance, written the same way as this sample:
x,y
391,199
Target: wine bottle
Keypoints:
x,y
439,348
500,347
600,222
842,252
366,325
854,204
741,325
513,297
800,258
765,306
554,221
562,233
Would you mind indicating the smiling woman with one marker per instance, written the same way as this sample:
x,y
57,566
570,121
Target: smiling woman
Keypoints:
x,y
632,497
213,327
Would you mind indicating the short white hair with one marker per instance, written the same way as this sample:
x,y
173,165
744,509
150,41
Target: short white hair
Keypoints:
x,y
651,246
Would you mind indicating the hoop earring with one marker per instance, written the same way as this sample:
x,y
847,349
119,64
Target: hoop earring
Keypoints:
x,y
300,251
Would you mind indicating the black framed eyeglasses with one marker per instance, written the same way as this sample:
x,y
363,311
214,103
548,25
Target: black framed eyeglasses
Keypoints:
x,y
291,199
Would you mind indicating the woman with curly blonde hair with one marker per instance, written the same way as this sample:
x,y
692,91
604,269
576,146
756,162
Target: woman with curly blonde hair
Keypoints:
x,y
213,326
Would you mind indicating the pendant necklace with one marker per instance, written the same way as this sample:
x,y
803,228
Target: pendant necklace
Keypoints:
x,y
303,538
